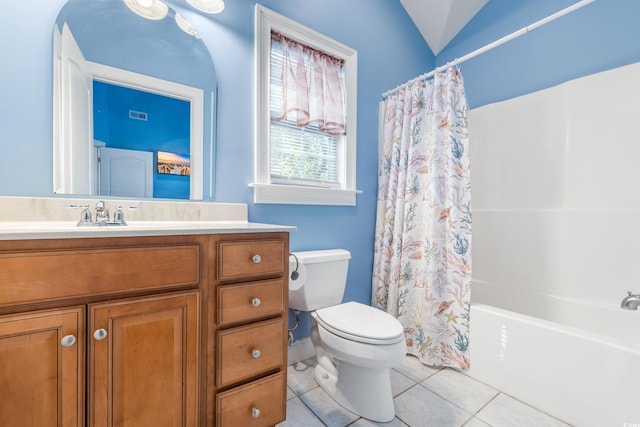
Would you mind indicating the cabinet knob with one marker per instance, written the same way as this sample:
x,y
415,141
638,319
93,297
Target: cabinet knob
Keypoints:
x,y
256,302
68,341
256,259
255,412
255,353
100,334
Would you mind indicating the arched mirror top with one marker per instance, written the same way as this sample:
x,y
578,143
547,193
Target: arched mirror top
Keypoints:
x,y
108,32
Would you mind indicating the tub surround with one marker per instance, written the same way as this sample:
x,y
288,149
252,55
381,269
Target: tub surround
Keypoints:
x,y
557,218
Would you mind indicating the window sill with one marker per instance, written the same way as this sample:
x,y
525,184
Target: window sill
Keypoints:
x,y
299,195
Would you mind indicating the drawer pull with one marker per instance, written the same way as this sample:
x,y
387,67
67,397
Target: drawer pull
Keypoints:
x,y
68,341
100,334
255,353
256,302
256,259
255,412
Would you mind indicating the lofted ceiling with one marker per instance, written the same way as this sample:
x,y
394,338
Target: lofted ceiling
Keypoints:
x,y
440,20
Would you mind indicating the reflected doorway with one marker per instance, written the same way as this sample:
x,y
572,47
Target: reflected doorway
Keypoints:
x,y
125,173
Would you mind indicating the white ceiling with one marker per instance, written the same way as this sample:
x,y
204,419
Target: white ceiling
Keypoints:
x,y
440,20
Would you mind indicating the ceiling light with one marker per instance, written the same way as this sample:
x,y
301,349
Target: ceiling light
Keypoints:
x,y
150,9
186,26
208,6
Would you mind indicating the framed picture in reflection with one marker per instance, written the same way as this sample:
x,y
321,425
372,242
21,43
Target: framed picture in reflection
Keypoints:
x,y
174,163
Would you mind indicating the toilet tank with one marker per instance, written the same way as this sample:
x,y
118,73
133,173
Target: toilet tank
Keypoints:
x,y
321,281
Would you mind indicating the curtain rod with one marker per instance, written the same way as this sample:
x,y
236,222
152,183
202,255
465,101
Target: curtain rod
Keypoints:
x,y
496,43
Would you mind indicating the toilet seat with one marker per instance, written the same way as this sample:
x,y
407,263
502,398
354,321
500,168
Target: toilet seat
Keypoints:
x,y
361,323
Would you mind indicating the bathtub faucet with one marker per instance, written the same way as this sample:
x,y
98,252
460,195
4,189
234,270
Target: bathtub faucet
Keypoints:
x,y
630,302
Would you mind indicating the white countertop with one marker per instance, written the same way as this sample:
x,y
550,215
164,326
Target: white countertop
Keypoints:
x,y
18,230
57,218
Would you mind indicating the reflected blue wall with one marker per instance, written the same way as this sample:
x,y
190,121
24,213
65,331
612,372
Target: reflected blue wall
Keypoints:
x,y
165,129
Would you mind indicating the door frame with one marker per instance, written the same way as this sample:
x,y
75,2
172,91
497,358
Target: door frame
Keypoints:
x,y
194,96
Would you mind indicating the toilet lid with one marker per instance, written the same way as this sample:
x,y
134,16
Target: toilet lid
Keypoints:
x,y
359,322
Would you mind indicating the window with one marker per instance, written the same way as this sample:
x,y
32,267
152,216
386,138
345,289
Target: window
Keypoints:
x,y
305,139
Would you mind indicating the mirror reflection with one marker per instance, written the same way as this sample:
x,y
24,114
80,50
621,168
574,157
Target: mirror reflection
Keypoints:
x,y
133,103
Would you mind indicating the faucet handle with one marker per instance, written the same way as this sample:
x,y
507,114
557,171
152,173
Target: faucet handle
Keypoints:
x,y
85,215
127,207
629,293
118,215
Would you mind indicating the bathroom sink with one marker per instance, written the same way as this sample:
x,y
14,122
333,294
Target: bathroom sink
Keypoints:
x,y
36,225
180,224
165,223
138,225
67,225
70,229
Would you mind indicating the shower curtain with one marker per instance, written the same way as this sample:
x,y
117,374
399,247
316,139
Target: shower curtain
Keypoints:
x,y
422,259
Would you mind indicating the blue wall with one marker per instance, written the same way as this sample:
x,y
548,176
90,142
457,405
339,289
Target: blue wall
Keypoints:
x,y
166,129
597,37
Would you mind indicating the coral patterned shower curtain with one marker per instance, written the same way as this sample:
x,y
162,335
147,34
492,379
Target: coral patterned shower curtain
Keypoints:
x,y
422,260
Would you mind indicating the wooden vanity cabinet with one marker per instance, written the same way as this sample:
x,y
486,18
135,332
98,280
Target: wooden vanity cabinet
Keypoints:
x,y
151,331
101,332
249,352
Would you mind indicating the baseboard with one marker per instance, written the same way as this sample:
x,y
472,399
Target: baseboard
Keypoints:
x,y
300,350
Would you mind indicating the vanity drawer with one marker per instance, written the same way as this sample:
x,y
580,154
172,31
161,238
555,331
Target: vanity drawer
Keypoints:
x,y
260,403
243,302
246,259
247,351
34,276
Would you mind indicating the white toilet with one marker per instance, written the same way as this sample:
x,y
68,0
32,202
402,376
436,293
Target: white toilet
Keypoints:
x,y
355,344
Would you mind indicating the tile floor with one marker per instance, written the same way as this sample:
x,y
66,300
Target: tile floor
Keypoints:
x,y
423,396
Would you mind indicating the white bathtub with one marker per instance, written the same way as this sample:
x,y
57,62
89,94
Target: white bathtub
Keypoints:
x,y
581,377
555,243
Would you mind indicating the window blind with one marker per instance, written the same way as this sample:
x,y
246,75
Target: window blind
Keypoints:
x,y
304,147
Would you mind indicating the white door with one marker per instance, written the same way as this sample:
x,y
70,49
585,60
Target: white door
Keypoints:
x,y
125,173
74,154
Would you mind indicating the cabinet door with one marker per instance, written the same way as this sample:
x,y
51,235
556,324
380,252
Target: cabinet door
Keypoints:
x,y
42,368
143,361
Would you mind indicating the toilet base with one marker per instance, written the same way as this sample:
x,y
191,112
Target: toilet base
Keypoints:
x,y
363,391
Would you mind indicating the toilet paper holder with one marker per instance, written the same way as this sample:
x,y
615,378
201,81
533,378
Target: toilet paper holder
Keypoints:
x,y
294,273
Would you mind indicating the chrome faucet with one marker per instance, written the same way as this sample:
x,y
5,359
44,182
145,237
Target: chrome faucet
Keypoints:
x,y
102,215
630,302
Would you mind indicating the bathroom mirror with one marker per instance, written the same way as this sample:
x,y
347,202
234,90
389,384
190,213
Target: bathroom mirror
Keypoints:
x,y
139,84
